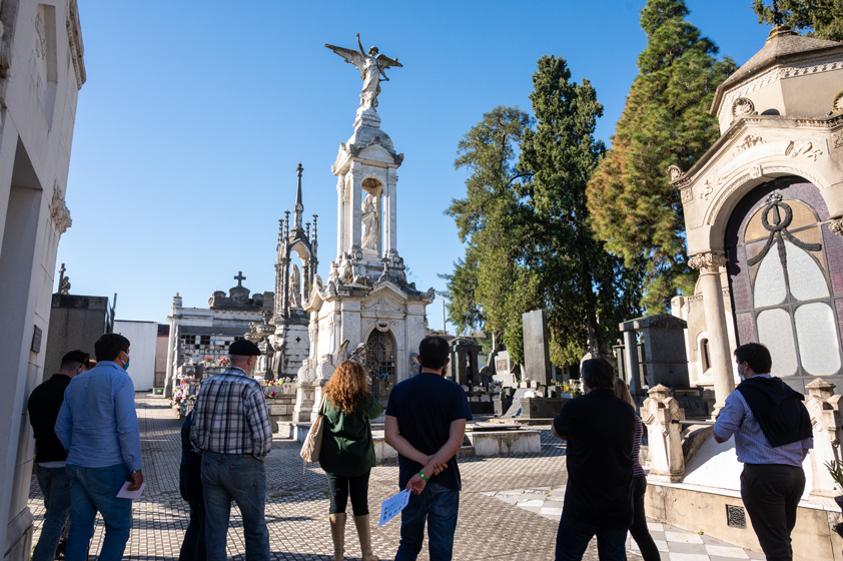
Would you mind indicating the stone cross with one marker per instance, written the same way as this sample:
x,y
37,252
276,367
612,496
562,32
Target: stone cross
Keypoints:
x,y
239,278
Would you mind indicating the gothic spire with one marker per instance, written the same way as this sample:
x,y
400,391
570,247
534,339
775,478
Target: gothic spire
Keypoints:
x,y
299,205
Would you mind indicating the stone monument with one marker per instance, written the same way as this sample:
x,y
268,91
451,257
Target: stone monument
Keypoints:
x,y
295,269
536,354
366,299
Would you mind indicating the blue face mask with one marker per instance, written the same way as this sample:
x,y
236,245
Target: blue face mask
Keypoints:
x,y
126,366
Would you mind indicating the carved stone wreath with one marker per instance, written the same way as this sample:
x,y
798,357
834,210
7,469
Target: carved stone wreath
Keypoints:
x,y
743,107
837,105
674,173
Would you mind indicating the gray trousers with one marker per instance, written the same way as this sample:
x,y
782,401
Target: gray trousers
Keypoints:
x,y
771,494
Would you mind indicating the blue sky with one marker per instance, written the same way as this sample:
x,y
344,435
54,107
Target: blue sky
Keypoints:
x,y
195,114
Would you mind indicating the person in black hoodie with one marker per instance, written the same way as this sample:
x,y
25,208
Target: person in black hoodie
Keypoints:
x,y
43,405
773,434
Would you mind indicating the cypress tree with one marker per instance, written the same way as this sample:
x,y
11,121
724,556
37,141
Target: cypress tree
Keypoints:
x,y
665,121
575,275
491,286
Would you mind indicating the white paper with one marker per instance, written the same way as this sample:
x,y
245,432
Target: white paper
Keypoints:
x,y
124,492
393,505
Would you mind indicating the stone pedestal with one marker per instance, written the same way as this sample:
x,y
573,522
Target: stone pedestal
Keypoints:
x,y
661,415
305,401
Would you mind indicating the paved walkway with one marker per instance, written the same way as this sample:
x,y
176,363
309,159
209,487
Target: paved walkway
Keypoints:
x,y
491,526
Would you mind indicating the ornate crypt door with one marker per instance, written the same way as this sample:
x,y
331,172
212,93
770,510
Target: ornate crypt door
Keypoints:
x,y
786,279
380,352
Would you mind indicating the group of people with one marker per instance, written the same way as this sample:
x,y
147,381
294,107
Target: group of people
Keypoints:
x,y
606,485
227,436
88,449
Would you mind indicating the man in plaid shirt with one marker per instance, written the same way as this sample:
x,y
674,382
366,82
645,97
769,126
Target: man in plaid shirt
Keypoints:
x,y
231,429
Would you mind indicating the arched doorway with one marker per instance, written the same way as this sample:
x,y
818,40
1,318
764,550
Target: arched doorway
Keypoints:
x,y
380,354
785,279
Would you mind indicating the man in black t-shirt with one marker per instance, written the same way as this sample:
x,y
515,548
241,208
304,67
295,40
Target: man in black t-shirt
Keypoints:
x,y
599,429
425,423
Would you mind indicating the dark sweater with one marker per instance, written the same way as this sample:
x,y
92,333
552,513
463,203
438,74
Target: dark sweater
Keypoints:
x,y
778,409
600,429
43,405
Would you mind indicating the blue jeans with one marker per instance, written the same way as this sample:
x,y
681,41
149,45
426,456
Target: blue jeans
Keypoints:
x,y
92,490
227,477
56,491
573,536
439,506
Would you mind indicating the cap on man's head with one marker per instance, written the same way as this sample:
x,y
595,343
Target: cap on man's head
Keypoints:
x,y
243,347
75,357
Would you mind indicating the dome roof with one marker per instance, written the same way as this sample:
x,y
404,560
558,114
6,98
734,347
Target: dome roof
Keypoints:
x,y
782,45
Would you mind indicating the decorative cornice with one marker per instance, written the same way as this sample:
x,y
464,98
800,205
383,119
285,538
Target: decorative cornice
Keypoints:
x,y
762,121
710,261
767,78
59,213
74,39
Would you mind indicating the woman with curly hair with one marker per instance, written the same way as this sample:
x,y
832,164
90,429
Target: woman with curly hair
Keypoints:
x,y
348,453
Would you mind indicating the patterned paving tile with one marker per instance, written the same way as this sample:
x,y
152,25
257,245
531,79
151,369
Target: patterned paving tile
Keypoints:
x,y
509,507
674,544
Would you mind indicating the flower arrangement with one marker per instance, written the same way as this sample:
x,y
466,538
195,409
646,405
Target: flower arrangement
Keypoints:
x,y
274,388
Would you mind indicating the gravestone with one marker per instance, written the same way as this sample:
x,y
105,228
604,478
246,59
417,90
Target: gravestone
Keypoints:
x,y
464,365
536,355
503,370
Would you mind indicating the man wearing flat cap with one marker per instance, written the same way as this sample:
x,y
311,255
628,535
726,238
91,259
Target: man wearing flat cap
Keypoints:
x,y
231,429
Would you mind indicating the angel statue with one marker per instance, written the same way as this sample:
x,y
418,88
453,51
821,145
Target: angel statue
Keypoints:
x,y
371,66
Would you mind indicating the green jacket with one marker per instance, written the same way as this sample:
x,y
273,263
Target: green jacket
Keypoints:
x,y
347,447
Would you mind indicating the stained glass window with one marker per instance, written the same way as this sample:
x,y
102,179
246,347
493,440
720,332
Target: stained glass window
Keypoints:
x,y
790,291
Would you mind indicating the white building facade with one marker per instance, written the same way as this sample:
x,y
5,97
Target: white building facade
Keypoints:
x,y
41,72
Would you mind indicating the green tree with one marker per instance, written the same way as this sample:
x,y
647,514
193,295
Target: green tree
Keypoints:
x,y
490,286
665,121
575,275
820,18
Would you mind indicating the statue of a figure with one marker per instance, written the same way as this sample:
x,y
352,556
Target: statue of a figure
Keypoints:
x,y
64,281
295,287
371,66
369,219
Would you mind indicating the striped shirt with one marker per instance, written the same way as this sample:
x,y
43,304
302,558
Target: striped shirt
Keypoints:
x,y
637,470
230,416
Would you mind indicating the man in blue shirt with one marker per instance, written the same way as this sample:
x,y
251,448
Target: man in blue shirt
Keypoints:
x,y
98,426
773,434
425,423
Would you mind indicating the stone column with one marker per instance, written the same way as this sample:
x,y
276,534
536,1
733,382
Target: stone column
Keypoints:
x,y
709,265
630,357
341,221
392,212
824,407
356,194
661,416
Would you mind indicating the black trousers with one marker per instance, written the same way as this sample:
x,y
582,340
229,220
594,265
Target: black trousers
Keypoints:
x,y
357,487
639,530
193,545
771,494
